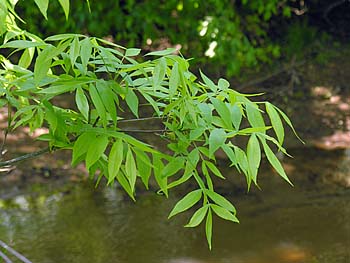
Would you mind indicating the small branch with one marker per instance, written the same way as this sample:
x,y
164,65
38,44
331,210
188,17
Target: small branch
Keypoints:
x,y
140,119
14,252
330,8
143,131
24,157
5,258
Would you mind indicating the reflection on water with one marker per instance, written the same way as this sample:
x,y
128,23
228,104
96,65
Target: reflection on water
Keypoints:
x,y
305,224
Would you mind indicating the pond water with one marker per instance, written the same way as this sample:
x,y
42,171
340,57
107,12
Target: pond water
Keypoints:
x,y
307,223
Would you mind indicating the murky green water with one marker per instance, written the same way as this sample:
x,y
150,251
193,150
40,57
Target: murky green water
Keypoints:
x,y
280,224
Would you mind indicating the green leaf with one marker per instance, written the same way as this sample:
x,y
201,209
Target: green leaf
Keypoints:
x,y
287,120
144,166
175,165
254,116
82,103
223,84
213,168
159,72
230,154
26,58
74,50
85,53
221,201
125,184
22,44
224,112
43,5
96,100
65,6
130,169
174,80
81,146
198,216
165,52
223,213
208,82
115,160
236,116
161,180
217,138
209,228
186,202
131,52
271,157
253,156
133,102
275,121
96,148
42,64
108,98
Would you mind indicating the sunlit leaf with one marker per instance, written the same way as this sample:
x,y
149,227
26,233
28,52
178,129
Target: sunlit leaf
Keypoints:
x,y
174,80
125,184
175,165
42,5
198,216
130,169
186,202
271,157
132,101
210,84
209,228
165,52
217,138
65,6
224,213
275,122
82,103
131,52
221,201
96,148
215,170
253,156
115,159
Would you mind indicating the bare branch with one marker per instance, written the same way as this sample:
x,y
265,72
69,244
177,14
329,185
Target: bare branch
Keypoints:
x,y
14,252
24,157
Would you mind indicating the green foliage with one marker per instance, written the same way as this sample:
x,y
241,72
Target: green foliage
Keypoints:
x,y
228,34
200,117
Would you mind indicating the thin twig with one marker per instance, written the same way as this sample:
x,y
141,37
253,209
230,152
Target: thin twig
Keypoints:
x,y
14,252
140,119
142,131
5,258
24,157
